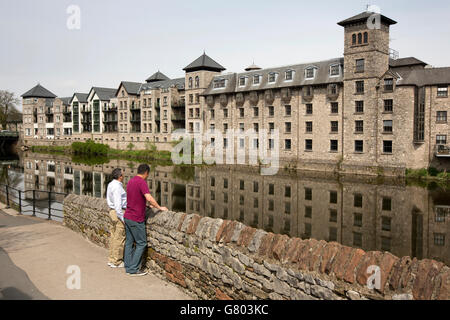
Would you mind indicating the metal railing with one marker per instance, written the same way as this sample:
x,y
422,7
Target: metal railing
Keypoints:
x,y
37,203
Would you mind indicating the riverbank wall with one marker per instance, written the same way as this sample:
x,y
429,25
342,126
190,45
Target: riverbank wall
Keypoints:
x,y
219,259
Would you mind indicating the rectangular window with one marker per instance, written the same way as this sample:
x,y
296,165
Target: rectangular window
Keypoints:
x,y
387,204
255,186
241,112
287,144
441,139
309,108
334,126
289,75
287,110
442,91
225,113
272,77
388,84
308,212
308,145
271,189
242,81
271,111
334,107
357,220
386,223
287,191
309,73
333,197
255,111
387,126
333,215
334,145
359,146
439,239
358,200
256,79
359,86
309,126
388,105
335,70
241,185
387,146
359,106
441,116
360,63
359,126
288,127
308,194
271,127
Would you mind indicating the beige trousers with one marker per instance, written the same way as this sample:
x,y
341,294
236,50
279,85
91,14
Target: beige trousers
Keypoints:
x,y
117,240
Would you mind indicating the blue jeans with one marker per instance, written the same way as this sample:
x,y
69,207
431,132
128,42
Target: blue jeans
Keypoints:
x,y
135,233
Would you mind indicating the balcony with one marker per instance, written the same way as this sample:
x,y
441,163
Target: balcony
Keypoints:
x,y
110,120
49,112
110,109
443,151
178,117
135,120
67,111
179,104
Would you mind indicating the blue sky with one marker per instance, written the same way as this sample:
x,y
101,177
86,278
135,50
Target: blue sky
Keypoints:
x,y
130,40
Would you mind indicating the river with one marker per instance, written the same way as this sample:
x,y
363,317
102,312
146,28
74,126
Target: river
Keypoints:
x,y
404,218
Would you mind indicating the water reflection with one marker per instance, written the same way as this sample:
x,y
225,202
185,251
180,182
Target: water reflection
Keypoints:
x,y
393,216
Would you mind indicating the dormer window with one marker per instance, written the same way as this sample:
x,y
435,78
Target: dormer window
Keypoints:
x,y
335,70
310,73
242,81
289,75
219,83
272,77
256,79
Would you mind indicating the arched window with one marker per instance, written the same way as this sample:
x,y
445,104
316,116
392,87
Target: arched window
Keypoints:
x,y
359,38
190,83
366,37
354,39
197,82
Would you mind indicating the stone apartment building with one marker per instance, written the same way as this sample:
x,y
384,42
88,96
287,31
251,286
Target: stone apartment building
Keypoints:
x,y
367,110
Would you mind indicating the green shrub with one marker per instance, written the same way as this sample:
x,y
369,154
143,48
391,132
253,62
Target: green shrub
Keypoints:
x,y
433,171
90,148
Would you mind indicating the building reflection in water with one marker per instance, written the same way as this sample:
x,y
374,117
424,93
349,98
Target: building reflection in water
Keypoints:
x,y
391,216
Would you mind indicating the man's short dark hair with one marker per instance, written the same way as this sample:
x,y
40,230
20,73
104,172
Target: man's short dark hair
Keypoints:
x,y
116,173
143,169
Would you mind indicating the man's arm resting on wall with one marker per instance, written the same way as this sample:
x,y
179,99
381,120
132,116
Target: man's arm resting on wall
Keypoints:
x,y
153,202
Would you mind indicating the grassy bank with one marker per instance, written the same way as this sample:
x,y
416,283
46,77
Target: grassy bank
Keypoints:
x,y
431,174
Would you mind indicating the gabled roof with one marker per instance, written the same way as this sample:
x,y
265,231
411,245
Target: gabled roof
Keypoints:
x,y
178,83
82,97
130,87
406,62
104,94
38,92
65,100
204,62
362,17
158,76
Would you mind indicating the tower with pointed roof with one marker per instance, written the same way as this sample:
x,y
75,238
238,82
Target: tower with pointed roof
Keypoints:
x,y
199,75
37,108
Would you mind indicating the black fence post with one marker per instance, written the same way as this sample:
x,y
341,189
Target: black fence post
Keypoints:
x,y
7,197
49,206
34,203
20,202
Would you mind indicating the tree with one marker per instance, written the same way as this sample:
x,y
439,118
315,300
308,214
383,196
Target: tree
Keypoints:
x,y
8,103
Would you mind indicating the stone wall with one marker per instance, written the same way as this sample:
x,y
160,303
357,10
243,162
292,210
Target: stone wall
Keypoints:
x,y
218,259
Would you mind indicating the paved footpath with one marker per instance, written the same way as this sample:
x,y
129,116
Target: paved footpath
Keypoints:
x,y
35,255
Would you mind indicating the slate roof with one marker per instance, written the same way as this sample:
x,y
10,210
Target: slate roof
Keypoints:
x,y
82,97
179,83
65,101
38,92
157,76
204,62
132,88
405,62
424,77
104,94
322,77
362,17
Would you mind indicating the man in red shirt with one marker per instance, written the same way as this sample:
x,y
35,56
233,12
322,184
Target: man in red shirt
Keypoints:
x,y
137,196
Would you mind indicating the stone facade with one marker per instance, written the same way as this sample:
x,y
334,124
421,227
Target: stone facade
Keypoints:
x,y
366,112
221,259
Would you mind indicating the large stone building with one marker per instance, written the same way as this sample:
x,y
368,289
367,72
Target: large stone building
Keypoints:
x,y
368,110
